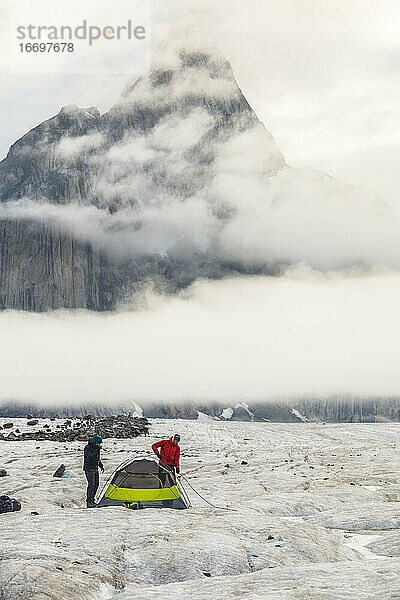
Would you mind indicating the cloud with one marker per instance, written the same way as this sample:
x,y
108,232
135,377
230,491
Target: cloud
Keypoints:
x,y
177,230
183,83
179,134
246,208
132,149
304,216
243,339
321,76
74,146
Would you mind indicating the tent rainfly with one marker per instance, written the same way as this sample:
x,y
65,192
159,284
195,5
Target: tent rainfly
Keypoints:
x,y
142,483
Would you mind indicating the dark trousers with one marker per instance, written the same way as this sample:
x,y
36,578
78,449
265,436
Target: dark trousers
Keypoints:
x,y
93,485
166,474
162,475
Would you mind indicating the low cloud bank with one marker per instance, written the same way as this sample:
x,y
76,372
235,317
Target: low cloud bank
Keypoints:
x,y
299,216
241,339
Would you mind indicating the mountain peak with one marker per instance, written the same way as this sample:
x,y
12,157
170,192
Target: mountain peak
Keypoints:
x,y
158,174
75,111
182,79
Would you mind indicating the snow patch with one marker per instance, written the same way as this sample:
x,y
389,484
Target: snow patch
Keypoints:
x,y
73,146
227,412
138,410
298,415
203,417
68,475
11,473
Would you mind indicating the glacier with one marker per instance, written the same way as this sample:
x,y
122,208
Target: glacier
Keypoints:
x,y
305,511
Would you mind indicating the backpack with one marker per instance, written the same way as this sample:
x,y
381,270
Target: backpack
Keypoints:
x,y
8,504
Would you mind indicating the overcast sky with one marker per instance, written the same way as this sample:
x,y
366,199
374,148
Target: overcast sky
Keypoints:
x,y
323,76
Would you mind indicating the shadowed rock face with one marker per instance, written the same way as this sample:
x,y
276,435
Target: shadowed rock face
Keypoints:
x,y
42,268
33,167
334,410
69,160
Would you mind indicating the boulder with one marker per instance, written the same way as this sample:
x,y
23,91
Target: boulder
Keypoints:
x,y
8,504
33,422
60,471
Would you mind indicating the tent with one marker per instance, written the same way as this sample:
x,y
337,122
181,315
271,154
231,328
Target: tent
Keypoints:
x,y
138,483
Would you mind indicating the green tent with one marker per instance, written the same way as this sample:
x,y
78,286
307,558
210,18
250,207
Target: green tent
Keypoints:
x,y
140,483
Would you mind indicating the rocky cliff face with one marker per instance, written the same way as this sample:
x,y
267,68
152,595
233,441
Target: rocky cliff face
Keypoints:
x,y
157,146
335,410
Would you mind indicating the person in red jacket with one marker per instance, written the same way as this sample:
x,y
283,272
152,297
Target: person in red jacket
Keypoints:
x,y
168,454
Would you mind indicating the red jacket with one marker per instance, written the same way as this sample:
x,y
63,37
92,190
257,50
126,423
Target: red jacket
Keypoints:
x,y
169,453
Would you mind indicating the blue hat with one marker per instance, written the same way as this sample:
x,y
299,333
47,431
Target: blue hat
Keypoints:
x,y
97,439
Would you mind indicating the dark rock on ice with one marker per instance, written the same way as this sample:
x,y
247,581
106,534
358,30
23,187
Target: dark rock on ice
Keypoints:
x,y
8,504
60,471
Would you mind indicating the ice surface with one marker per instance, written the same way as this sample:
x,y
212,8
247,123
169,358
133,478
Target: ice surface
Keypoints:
x,y
314,515
68,475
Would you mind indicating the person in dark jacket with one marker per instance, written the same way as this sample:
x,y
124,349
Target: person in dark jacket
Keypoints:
x,y
169,455
91,464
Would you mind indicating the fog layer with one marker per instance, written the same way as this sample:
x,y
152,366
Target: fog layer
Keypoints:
x,y
249,338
